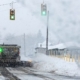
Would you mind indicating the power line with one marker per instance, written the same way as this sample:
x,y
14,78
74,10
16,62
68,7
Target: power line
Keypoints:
x,y
7,4
8,9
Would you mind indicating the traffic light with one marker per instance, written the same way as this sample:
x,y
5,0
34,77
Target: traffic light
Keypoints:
x,y
1,50
12,14
43,9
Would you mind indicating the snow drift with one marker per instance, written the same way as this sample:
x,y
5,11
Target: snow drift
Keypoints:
x,y
56,65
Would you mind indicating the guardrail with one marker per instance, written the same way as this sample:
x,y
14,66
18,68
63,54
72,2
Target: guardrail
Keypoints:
x,y
67,57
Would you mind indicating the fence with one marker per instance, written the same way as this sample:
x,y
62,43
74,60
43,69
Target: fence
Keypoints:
x,y
70,55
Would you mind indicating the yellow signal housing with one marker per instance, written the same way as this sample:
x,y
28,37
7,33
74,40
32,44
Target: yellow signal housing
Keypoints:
x,y
12,14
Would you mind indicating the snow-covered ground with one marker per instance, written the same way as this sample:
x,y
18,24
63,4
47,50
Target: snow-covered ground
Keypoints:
x,y
56,65
28,77
45,67
2,78
22,75
25,58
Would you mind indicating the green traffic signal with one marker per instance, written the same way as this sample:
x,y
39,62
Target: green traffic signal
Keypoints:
x,y
43,9
43,13
1,50
12,17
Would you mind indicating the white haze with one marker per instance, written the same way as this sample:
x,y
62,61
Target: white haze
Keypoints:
x,y
64,20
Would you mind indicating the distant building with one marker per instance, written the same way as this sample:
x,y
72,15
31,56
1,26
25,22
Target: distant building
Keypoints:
x,y
42,47
60,49
40,50
56,49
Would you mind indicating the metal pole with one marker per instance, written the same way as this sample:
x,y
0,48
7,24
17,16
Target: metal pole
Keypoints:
x,y
12,4
43,1
24,44
47,33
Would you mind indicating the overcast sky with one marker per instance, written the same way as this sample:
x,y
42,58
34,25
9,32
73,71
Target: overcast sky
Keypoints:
x,y
25,20
64,18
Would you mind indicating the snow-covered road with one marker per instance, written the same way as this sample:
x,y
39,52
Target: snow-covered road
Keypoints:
x,y
2,77
45,68
33,74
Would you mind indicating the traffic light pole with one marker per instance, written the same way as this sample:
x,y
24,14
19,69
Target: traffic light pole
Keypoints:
x,y
44,12
47,33
12,4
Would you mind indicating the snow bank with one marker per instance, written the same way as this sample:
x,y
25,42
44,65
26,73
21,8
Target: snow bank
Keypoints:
x,y
2,77
25,58
28,77
56,65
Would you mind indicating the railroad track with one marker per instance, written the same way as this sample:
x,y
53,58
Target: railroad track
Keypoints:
x,y
7,74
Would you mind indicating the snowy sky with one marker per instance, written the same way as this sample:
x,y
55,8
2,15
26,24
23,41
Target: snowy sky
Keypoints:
x,y
64,18
25,21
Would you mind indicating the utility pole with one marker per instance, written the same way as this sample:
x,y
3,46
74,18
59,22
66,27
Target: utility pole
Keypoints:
x,y
47,33
24,46
44,12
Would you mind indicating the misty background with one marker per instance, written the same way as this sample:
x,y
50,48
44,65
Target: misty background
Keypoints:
x,y
64,22
31,41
